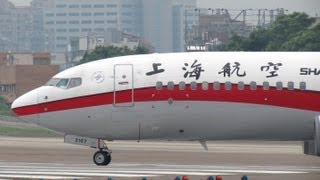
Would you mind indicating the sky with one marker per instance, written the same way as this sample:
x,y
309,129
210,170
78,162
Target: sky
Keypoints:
x,y
312,7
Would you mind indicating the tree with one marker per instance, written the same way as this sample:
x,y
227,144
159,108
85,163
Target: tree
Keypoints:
x,y
288,33
287,27
141,50
102,52
237,43
258,40
4,108
308,40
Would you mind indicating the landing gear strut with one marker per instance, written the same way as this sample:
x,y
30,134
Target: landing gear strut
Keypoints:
x,y
102,158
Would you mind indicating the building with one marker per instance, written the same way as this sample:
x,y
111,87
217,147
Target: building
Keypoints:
x,y
160,22
49,25
216,29
65,20
78,46
21,72
7,27
165,23
21,28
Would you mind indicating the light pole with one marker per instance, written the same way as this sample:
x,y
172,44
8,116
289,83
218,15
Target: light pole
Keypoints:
x,y
245,14
261,21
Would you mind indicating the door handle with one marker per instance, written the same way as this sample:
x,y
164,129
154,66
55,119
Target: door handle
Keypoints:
x,y
123,83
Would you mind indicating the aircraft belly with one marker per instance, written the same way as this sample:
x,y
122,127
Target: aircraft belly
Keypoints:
x,y
185,121
224,121
89,122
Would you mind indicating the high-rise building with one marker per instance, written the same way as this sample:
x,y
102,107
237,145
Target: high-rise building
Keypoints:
x,y
166,21
64,20
157,18
160,22
6,26
21,30
48,25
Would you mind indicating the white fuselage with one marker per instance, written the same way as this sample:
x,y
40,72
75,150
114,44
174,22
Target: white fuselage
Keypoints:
x,y
183,96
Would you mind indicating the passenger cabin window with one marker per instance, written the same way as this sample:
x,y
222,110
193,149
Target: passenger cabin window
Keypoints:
x,y
205,85
182,85
253,85
159,85
279,85
241,85
193,85
266,85
170,85
216,86
290,85
303,85
228,86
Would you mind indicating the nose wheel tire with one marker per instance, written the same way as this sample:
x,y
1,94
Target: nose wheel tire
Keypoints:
x,y
101,158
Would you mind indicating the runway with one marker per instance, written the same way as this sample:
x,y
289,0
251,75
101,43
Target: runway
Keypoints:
x,y
50,158
125,170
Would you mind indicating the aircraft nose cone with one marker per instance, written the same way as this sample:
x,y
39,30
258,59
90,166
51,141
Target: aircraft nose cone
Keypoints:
x,y
25,104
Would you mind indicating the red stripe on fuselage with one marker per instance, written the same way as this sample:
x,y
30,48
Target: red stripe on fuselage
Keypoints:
x,y
296,99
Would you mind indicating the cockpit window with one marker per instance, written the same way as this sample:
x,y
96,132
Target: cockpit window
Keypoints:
x,y
74,82
53,82
63,83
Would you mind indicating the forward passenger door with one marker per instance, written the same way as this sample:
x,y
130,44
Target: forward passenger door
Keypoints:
x,y
123,85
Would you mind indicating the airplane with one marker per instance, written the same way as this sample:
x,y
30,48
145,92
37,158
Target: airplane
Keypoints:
x,y
195,96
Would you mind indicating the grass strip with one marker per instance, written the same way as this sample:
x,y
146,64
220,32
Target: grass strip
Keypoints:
x,y
26,131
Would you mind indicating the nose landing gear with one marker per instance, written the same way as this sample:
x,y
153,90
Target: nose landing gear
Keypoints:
x,y
102,158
